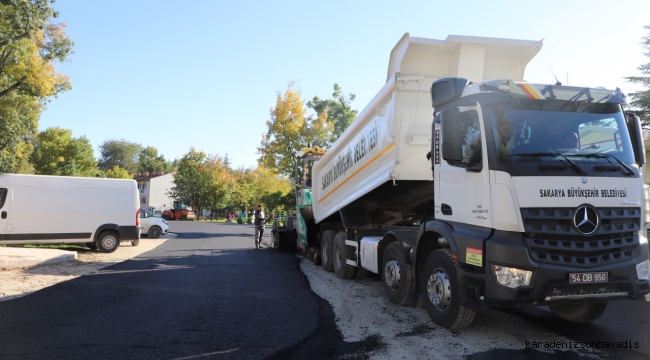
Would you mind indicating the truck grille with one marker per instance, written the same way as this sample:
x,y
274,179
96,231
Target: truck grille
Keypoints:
x,y
552,238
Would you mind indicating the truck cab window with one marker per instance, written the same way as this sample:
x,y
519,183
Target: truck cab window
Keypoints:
x,y
471,135
3,197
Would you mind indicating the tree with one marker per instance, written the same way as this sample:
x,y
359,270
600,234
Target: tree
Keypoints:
x,y
149,160
222,183
192,181
641,100
58,153
121,153
30,46
245,193
338,111
289,130
118,173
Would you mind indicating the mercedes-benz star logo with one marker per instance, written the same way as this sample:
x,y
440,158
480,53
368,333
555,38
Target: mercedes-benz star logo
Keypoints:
x,y
586,219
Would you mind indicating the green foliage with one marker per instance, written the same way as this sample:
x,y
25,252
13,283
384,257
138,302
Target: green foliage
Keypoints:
x,y
338,111
192,181
641,100
58,153
118,173
290,130
30,46
149,160
19,116
121,153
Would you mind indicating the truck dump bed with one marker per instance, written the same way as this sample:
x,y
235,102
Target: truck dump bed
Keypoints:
x,y
388,142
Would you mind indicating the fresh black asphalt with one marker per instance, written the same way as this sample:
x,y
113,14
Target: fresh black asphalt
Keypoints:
x,y
207,293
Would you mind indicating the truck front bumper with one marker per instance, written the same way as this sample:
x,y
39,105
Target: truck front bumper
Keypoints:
x,y
549,283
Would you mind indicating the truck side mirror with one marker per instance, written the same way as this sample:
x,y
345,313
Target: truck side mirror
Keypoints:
x,y
452,147
636,135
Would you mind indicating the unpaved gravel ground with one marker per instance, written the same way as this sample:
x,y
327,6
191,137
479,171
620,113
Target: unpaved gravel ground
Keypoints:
x,y
17,282
362,310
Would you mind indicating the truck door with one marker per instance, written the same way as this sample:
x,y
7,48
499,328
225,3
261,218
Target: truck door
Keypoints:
x,y
5,207
464,193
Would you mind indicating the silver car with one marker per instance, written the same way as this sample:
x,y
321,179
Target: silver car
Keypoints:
x,y
151,226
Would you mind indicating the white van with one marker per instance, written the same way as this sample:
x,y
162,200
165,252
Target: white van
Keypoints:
x,y
57,209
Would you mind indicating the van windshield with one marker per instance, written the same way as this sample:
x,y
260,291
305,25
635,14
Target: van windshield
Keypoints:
x,y
578,130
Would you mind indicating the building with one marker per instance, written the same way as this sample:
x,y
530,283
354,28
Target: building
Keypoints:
x,y
153,191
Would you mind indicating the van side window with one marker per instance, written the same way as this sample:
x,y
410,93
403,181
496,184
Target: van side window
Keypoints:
x,y
3,197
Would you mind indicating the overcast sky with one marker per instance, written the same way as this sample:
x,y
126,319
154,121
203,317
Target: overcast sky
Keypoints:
x,y
204,74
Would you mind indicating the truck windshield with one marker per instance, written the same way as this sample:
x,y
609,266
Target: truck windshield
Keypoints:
x,y
577,130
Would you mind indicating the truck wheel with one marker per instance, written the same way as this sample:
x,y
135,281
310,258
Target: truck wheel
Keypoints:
x,y
154,232
184,217
340,254
92,246
135,242
108,242
441,292
397,275
326,250
579,313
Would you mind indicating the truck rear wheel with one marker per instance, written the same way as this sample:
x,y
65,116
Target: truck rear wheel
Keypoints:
x,y
340,254
579,313
108,242
397,275
441,292
326,250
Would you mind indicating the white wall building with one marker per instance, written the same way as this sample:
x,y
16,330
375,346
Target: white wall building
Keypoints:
x,y
153,190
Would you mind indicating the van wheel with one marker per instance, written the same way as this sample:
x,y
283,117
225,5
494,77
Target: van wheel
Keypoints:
x,y
92,246
340,254
108,242
397,275
154,232
579,313
135,242
441,293
326,249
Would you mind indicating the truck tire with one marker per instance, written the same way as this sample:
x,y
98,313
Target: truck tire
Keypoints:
x,y
397,276
91,245
108,242
340,254
326,250
441,292
579,313
135,242
154,232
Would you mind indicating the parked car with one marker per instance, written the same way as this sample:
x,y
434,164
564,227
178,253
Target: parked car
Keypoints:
x,y
153,227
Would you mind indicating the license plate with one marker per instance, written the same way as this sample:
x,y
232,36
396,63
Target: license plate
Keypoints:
x,y
591,277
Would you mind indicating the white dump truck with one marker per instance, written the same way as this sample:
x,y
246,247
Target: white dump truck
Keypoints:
x,y
465,193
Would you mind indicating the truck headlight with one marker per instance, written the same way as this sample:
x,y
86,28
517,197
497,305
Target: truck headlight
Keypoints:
x,y
165,221
512,277
643,270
